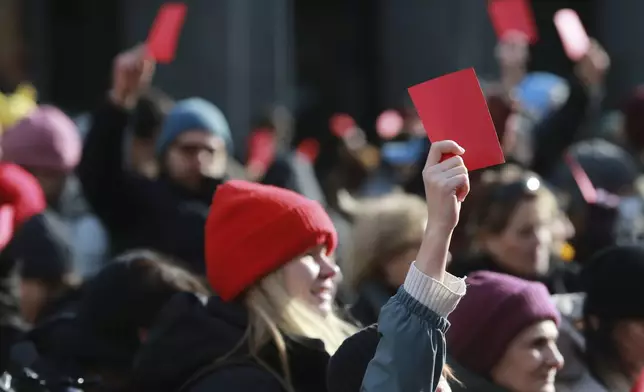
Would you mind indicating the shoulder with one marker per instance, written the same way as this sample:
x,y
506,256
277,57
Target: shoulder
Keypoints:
x,y
245,377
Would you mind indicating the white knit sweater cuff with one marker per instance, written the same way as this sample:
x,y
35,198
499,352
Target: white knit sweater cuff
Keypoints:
x,y
442,298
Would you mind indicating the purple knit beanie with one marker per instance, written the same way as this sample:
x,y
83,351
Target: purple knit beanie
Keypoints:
x,y
45,139
496,308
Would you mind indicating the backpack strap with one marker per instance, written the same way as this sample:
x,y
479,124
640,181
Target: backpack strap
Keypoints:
x,y
229,362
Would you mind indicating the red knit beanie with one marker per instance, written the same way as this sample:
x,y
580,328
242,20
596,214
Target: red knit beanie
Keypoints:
x,y
496,308
253,229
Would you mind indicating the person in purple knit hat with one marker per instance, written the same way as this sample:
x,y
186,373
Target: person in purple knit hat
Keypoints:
x,y
503,336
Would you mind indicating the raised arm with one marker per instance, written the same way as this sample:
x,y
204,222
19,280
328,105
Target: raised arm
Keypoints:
x,y
411,353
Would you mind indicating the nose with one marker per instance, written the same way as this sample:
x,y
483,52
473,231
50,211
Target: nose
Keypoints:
x,y
554,358
328,268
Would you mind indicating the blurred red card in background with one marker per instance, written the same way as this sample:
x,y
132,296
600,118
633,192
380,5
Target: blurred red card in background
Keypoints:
x,y
512,16
262,148
572,33
342,125
453,107
309,149
389,124
164,35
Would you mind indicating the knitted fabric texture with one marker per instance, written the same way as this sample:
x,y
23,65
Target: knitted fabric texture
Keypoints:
x,y
45,139
253,229
496,308
193,114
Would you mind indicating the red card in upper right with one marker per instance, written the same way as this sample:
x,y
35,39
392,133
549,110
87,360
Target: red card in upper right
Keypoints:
x,y
510,16
452,107
164,34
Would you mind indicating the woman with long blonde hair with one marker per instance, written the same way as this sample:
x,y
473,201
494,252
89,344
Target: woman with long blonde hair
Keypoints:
x,y
272,325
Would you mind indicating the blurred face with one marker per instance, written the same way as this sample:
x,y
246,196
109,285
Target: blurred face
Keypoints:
x,y
33,295
523,247
52,182
311,278
531,361
562,230
396,269
194,155
629,338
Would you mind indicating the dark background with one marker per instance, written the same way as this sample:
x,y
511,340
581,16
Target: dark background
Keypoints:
x,y
317,57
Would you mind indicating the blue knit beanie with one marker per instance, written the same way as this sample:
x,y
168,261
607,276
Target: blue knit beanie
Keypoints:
x,y
193,114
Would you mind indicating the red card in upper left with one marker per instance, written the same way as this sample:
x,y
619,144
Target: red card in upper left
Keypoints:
x,y
164,34
452,107
510,16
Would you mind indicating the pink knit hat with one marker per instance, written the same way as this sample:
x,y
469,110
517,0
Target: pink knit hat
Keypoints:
x,y
496,308
45,139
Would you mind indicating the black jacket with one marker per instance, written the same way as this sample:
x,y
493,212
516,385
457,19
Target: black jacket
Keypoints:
x,y
139,212
190,336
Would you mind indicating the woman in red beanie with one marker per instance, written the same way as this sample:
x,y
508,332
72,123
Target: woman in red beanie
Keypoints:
x,y
272,326
504,336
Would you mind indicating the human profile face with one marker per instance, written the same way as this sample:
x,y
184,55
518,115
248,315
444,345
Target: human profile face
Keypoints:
x,y
312,278
531,361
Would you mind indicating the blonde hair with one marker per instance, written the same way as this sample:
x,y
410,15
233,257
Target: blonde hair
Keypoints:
x,y
274,313
382,228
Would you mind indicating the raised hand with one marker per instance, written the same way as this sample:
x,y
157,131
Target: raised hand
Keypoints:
x,y
446,186
593,67
131,74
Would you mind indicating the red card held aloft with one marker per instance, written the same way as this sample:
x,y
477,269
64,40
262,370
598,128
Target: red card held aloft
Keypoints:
x,y
164,34
261,148
512,16
342,125
309,149
572,33
452,107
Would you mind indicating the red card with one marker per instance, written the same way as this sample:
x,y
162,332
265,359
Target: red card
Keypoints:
x,y
309,149
164,34
572,33
261,148
389,124
453,107
342,125
586,187
511,16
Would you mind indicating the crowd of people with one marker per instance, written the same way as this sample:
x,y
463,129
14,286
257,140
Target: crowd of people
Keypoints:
x,y
141,255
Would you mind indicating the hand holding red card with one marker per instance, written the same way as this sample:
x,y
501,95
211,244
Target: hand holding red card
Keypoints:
x,y
572,33
513,16
452,107
164,34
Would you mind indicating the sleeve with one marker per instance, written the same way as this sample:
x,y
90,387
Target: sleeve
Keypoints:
x,y
109,188
412,349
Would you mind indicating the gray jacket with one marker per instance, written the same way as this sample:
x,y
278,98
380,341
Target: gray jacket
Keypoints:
x,y
412,349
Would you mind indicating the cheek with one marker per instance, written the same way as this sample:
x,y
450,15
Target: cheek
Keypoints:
x,y
299,278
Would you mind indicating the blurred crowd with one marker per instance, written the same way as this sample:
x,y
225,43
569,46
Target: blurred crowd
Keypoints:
x,y
139,254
